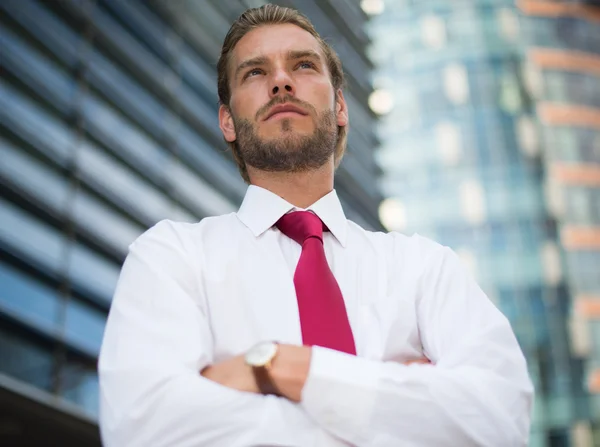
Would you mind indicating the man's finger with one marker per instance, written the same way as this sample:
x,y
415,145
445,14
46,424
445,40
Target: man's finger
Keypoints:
x,y
422,361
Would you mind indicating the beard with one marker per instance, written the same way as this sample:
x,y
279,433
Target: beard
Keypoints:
x,y
288,152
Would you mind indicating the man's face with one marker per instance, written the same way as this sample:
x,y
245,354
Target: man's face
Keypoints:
x,y
284,112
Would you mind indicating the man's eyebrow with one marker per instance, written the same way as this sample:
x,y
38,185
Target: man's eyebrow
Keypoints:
x,y
259,60
299,54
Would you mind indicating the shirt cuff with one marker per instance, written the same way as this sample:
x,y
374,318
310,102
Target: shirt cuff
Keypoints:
x,y
340,392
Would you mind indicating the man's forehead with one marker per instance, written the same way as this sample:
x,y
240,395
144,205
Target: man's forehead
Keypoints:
x,y
275,40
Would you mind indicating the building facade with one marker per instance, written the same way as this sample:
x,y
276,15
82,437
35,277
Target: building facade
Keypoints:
x,y
109,124
493,148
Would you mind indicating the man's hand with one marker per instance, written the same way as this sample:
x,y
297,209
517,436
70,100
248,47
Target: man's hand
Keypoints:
x,y
232,373
421,361
289,371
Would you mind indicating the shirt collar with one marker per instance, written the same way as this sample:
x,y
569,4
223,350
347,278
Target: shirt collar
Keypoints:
x,y
261,209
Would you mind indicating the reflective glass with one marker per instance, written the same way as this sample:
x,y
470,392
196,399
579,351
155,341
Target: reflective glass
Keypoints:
x,y
84,326
29,301
583,271
200,110
144,23
33,177
25,360
98,218
121,136
39,72
205,200
582,205
127,94
198,74
120,185
29,238
34,124
55,35
217,170
93,274
80,386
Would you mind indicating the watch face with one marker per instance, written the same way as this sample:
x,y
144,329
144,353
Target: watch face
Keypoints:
x,y
261,354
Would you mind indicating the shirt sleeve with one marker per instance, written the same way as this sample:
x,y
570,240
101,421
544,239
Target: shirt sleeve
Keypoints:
x,y
478,391
156,341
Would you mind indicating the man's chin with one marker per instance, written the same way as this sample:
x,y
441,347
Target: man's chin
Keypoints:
x,y
285,131
287,139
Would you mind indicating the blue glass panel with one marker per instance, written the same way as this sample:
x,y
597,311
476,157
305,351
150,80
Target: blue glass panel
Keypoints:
x,y
106,224
25,360
36,70
127,140
80,386
30,239
84,326
57,37
127,94
145,24
92,273
30,175
120,185
35,125
29,301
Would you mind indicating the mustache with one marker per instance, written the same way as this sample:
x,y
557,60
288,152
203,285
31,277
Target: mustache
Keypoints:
x,y
284,100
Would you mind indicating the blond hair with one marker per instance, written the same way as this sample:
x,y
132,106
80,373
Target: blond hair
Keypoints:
x,y
275,15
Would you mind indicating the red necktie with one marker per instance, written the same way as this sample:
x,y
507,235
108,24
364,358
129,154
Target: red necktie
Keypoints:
x,y
322,310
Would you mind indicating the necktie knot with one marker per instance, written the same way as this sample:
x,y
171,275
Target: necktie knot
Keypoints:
x,y
301,225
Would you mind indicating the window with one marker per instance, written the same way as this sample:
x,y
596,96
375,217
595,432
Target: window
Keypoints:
x,y
84,326
456,83
38,71
527,136
49,135
472,200
125,139
93,274
33,177
80,384
551,262
24,359
121,186
509,24
63,42
433,32
103,222
30,239
25,299
449,142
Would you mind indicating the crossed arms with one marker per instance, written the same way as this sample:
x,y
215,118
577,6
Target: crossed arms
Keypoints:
x,y
152,394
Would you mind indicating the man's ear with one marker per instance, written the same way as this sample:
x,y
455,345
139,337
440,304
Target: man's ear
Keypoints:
x,y
341,109
226,124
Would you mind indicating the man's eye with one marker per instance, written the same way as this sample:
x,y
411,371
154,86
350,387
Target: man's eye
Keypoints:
x,y
253,72
306,64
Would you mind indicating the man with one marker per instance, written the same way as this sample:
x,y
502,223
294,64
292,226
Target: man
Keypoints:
x,y
285,324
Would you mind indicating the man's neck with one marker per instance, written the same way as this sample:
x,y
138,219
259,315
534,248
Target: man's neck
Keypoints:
x,y
301,189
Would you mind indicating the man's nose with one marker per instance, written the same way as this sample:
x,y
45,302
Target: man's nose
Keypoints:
x,y
282,84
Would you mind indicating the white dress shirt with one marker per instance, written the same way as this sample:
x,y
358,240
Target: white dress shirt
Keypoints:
x,y
190,295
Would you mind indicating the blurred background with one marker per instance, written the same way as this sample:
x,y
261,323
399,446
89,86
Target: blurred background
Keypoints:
x,y
473,122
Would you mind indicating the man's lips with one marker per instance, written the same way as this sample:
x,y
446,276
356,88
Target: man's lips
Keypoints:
x,y
285,110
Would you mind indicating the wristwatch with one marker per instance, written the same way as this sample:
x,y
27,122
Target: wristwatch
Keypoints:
x,y
260,358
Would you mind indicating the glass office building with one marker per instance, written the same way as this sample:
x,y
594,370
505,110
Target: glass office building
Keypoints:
x,y
493,148
109,124
563,60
